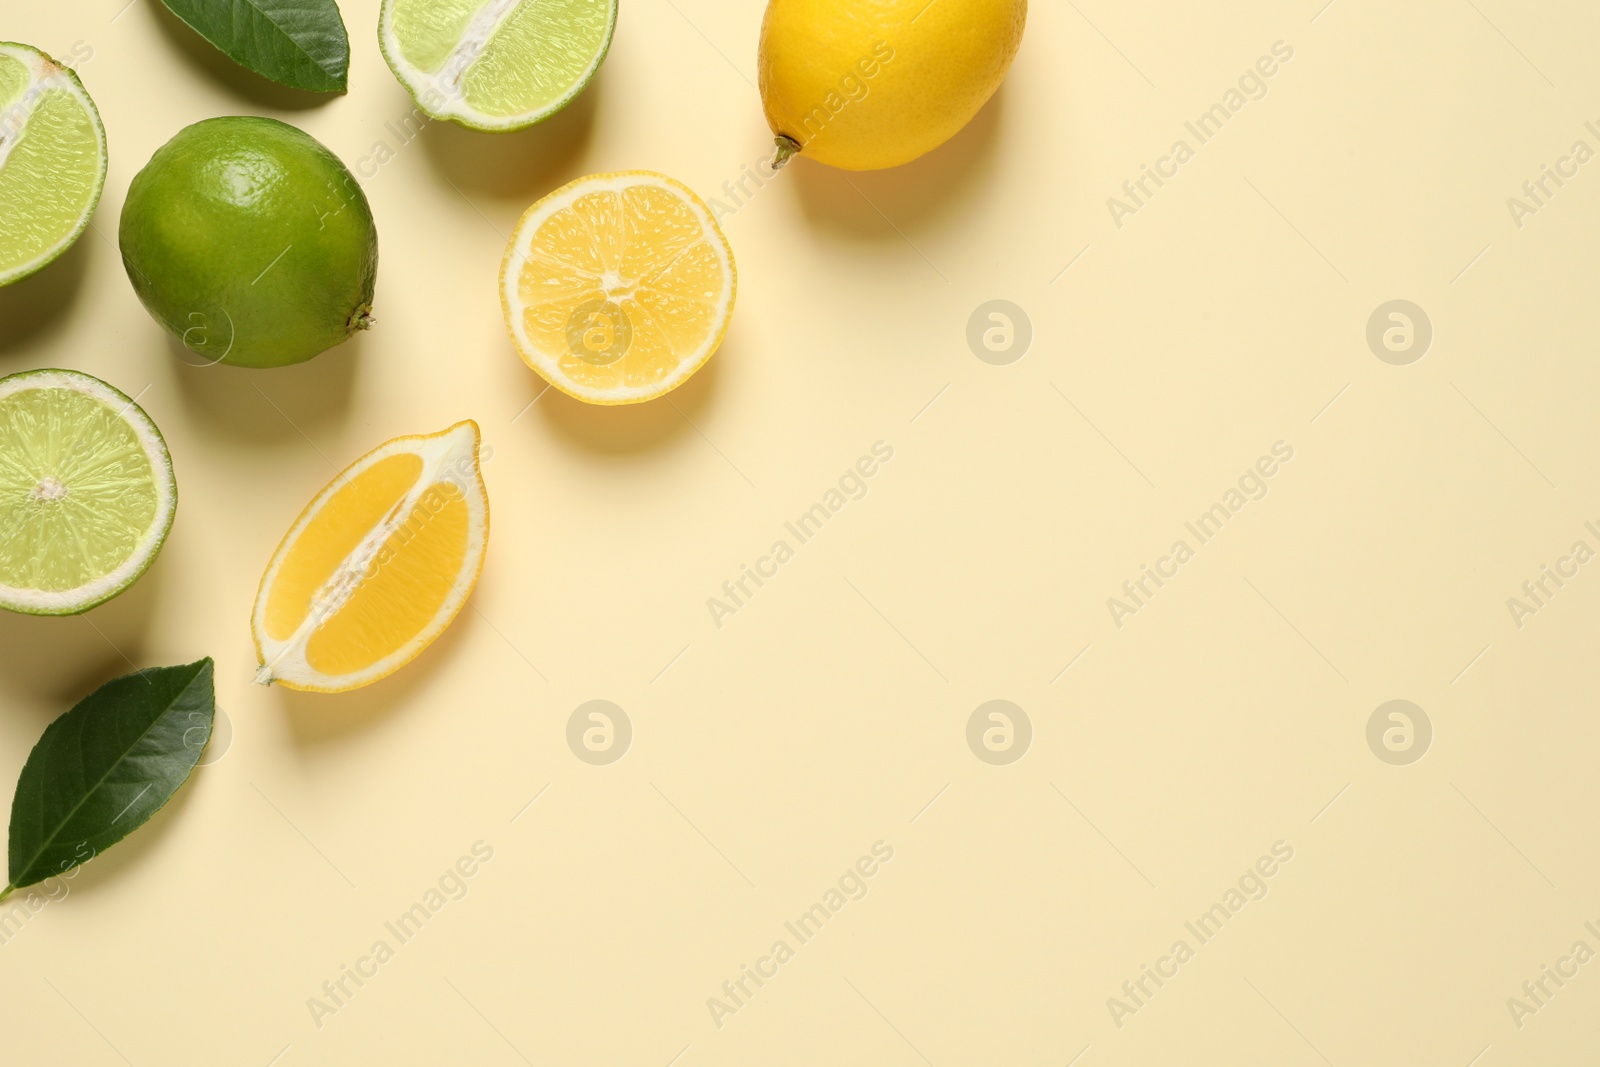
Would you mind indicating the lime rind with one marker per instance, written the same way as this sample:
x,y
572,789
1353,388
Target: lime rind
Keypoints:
x,y
250,242
31,458
460,51
46,79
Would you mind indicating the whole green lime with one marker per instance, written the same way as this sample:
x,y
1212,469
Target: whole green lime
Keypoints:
x,y
251,242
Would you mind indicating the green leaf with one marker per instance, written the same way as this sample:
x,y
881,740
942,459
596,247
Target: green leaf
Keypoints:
x,y
102,769
298,43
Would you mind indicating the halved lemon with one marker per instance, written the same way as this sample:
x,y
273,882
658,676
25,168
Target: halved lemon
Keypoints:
x,y
376,566
617,287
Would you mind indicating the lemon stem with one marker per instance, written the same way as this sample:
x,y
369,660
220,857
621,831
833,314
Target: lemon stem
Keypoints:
x,y
788,148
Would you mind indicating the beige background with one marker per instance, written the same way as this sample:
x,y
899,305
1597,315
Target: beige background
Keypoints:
x,y
830,713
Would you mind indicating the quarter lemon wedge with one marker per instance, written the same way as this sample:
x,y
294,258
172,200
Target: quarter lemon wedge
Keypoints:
x,y
617,287
376,566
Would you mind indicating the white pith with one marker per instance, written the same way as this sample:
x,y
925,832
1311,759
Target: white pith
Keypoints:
x,y
70,601
49,489
451,457
45,75
483,26
548,364
441,95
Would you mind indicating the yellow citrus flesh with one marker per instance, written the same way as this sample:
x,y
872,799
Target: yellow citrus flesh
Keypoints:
x,y
332,535
868,86
377,566
617,287
382,616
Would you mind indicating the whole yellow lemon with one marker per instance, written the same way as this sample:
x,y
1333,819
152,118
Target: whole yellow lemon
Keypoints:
x,y
868,84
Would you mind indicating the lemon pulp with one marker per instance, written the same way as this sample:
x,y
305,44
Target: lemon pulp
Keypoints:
x,y
617,287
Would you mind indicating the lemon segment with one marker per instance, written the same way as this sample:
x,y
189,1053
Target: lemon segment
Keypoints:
x,y
335,532
376,567
382,617
617,287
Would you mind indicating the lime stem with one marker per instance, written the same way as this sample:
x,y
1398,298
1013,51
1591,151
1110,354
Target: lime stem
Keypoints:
x,y
788,148
361,319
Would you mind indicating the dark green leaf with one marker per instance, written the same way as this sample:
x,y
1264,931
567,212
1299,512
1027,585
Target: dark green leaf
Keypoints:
x,y
106,766
298,43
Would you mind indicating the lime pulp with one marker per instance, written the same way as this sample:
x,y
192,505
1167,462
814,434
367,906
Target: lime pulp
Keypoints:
x,y
495,64
52,160
86,492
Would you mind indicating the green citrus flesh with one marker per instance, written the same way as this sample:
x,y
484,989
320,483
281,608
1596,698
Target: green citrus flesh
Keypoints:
x,y
87,493
250,242
495,64
52,160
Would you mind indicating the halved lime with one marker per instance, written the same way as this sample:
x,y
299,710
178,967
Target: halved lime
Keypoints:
x,y
495,65
86,492
52,160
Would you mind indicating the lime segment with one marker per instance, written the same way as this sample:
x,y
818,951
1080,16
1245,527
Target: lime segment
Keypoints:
x,y
52,160
429,30
86,492
13,80
495,64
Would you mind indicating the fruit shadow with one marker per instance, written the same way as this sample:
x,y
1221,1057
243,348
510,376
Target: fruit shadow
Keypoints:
x,y
522,165
283,403
322,718
239,81
52,662
44,299
622,429
914,194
